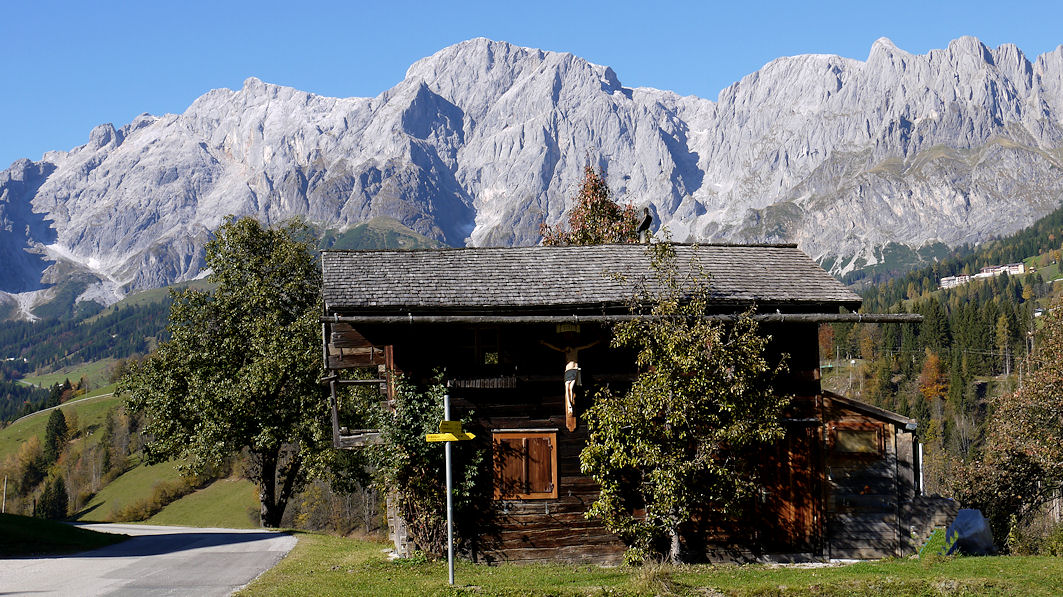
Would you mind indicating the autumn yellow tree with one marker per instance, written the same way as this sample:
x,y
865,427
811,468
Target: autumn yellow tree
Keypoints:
x,y
932,384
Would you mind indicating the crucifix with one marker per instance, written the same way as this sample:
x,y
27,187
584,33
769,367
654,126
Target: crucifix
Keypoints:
x,y
572,378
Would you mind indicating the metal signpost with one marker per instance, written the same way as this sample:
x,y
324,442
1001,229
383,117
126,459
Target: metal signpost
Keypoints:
x,y
449,431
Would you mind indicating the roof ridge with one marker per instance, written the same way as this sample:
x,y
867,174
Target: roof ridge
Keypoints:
x,y
562,247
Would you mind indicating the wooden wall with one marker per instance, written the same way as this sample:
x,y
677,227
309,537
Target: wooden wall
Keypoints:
x,y
862,490
556,530
820,502
547,530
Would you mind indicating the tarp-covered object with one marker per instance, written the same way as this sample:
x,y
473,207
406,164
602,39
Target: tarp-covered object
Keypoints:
x,y
970,534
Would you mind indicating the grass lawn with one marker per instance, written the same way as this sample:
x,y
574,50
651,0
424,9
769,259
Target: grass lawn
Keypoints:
x,y
24,536
325,565
95,373
147,297
228,503
132,486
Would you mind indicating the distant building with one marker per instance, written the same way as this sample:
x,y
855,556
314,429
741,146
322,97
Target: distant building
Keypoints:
x,y
990,271
1014,269
954,281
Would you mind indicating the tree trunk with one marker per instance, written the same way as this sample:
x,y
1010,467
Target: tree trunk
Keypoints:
x,y
267,490
277,483
290,481
675,555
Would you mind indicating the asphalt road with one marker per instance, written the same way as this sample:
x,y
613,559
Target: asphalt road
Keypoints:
x,y
155,561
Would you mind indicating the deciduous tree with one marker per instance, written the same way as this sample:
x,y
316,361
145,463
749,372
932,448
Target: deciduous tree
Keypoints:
x,y
672,445
1022,463
240,370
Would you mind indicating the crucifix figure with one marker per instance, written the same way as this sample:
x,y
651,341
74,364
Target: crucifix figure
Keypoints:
x,y
572,374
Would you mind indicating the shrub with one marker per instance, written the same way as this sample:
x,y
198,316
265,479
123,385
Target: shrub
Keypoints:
x,y
53,501
413,469
1038,536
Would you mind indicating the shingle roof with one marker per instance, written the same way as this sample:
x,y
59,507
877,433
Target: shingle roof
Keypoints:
x,y
540,279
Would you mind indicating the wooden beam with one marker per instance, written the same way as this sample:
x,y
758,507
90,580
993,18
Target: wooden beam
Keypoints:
x,y
363,437
345,336
350,361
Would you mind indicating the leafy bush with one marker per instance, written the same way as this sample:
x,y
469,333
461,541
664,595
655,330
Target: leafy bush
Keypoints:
x,y
414,470
1052,544
1040,536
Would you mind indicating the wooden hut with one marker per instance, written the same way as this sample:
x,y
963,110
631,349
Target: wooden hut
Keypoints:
x,y
843,483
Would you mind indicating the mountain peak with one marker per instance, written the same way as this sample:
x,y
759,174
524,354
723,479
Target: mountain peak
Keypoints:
x,y
884,44
484,140
968,45
103,135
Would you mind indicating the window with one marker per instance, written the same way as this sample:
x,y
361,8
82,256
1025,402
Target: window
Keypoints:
x,y
525,465
859,439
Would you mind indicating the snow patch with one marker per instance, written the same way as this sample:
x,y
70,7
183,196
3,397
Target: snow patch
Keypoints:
x,y
101,267
97,265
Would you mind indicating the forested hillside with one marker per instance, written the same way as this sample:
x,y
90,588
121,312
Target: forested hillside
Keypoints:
x,y
973,347
120,333
17,398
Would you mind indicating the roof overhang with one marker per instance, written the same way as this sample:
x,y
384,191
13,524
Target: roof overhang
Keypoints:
x,y
874,411
516,318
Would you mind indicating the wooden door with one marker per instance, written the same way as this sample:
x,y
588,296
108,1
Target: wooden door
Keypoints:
x,y
805,503
794,483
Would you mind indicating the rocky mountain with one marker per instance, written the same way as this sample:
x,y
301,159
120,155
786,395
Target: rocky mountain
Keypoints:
x,y
483,141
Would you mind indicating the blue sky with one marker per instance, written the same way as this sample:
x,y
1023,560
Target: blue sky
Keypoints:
x,y
69,66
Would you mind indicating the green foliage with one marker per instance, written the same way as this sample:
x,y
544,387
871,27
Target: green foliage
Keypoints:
x,y
55,433
240,369
1037,536
53,501
945,371
414,469
595,219
673,445
18,399
1052,544
1022,466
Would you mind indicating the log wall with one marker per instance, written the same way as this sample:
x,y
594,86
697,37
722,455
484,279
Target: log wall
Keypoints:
x,y
819,503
